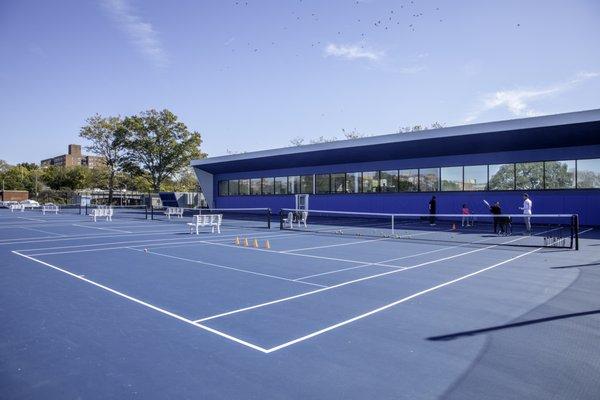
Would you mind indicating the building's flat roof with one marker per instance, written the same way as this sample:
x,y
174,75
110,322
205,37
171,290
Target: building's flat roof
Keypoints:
x,y
515,134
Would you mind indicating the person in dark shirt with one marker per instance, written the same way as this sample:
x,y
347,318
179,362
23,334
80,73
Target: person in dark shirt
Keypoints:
x,y
432,210
496,210
501,223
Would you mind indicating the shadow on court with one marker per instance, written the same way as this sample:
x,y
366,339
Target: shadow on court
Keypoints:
x,y
594,264
474,332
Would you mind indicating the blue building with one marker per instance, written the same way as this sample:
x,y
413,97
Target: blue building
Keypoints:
x,y
555,159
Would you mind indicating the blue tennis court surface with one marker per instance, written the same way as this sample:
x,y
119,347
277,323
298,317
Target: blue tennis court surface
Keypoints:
x,y
136,308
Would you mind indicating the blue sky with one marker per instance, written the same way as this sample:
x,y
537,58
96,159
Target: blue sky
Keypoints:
x,y
253,75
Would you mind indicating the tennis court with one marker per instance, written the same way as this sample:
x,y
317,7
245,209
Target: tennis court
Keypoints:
x,y
139,307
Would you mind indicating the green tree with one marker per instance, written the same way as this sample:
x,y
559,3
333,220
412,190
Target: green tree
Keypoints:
x,y
73,178
160,144
503,179
4,166
558,176
106,137
184,181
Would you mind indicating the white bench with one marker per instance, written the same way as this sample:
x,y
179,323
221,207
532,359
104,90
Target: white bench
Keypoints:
x,y
17,207
177,211
290,219
50,209
101,213
202,220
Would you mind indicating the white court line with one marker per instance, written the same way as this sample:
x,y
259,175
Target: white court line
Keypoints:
x,y
384,262
296,254
225,267
359,242
355,281
39,230
79,237
32,219
187,240
145,304
347,269
402,300
102,229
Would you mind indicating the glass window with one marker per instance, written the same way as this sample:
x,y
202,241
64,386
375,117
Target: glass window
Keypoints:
x,y
429,179
268,185
255,186
370,182
529,176
234,188
338,183
502,177
244,187
223,188
451,178
353,182
293,184
388,181
281,185
559,174
588,173
476,177
306,184
322,184
408,180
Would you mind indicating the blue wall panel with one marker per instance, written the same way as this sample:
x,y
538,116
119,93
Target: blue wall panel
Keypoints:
x,y
583,202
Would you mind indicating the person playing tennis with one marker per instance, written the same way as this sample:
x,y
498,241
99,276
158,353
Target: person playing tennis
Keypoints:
x,y
527,207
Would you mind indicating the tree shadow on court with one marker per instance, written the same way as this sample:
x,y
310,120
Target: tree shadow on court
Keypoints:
x,y
474,332
594,264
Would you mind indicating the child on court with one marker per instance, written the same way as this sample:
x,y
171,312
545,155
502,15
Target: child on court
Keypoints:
x,y
467,220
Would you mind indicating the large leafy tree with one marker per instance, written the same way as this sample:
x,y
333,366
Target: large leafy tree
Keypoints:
x,y
106,136
77,177
160,145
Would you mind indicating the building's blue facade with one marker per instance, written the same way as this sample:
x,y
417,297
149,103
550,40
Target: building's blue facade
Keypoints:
x,y
556,159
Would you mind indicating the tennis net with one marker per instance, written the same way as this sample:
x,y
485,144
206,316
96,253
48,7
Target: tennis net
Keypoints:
x,y
546,230
234,217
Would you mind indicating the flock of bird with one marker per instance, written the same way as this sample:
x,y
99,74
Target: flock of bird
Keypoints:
x,y
401,18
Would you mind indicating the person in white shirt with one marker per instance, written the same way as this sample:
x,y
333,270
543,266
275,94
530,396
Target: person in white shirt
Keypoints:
x,y
527,207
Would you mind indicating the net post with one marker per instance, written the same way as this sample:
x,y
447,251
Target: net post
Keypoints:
x,y
146,211
268,218
152,212
393,225
575,227
86,209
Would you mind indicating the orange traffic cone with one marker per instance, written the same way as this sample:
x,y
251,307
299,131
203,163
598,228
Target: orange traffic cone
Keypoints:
x,y
237,241
255,244
453,227
267,244
246,242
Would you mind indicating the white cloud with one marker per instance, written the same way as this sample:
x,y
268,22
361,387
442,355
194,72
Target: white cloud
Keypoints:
x,y
352,52
412,70
141,33
518,101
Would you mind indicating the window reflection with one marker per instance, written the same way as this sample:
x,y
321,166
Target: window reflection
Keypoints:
x,y
408,180
588,173
388,181
370,181
502,176
429,179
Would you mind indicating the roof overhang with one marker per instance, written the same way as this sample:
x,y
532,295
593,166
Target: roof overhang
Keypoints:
x,y
561,130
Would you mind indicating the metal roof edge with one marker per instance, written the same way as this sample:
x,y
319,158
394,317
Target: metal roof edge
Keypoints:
x,y
460,130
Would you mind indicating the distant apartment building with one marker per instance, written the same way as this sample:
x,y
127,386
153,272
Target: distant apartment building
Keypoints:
x,y
73,158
